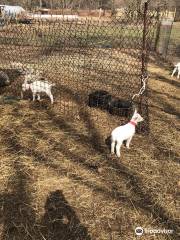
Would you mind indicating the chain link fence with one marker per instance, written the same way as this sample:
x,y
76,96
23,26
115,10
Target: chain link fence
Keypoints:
x,y
81,57
173,52
168,35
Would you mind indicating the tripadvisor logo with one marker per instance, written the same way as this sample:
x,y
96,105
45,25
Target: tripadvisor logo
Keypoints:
x,y
139,231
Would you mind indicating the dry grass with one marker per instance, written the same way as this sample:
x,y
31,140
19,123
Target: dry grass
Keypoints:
x,y
58,180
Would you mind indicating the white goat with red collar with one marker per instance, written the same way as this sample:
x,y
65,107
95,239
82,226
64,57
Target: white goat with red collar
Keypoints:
x,y
124,133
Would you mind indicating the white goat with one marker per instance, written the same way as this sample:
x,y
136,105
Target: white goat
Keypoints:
x,y
38,87
124,132
176,68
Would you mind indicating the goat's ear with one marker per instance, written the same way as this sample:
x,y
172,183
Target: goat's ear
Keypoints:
x,y
135,110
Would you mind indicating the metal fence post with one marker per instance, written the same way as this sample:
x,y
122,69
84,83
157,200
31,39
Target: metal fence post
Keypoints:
x,y
144,49
143,105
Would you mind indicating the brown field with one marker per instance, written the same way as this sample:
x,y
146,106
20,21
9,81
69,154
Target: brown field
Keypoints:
x,y
58,180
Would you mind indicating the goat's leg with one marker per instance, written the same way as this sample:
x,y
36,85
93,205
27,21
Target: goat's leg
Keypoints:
x,y
34,96
178,73
51,97
22,95
112,146
173,71
128,142
118,148
38,97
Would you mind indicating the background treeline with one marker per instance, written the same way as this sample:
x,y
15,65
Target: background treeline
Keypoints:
x,y
88,4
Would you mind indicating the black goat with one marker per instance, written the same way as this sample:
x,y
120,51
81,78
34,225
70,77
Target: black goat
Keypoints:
x,y
120,107
113,105
99,99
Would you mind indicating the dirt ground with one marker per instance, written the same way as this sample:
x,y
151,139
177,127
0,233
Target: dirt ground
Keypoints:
x,y
59,181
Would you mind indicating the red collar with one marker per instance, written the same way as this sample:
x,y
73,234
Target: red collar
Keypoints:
x,y
133,123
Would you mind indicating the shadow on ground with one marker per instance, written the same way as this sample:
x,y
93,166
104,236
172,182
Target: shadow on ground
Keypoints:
x,y
19,218
145,200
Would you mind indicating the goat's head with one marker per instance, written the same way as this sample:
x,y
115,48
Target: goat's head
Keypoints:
x,y
25,86
137,117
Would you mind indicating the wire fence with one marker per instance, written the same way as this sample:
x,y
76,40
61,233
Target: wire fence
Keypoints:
x,y
173,51
168,35
82,62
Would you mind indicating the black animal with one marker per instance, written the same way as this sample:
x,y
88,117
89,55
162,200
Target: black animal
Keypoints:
x,y
4,79
25,21
115,106
99,99
120,107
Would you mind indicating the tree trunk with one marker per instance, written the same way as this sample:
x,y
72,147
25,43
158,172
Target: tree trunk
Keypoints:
x,y
177,15
40,3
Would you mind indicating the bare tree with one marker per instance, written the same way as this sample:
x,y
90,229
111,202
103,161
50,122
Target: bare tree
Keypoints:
x,y
177,15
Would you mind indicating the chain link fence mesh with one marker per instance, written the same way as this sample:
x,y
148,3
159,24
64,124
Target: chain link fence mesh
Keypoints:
x,y
168,35
81,57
